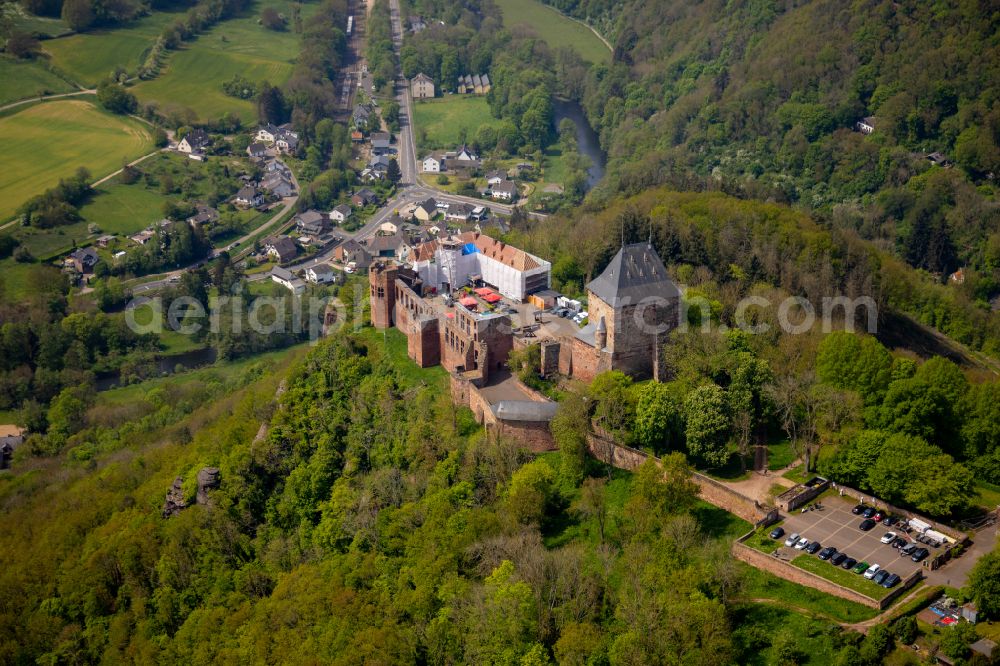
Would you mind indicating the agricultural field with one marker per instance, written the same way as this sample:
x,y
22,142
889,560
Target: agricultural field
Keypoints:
x,y
49,141
88,58
23,79
556,29
192,76
442,122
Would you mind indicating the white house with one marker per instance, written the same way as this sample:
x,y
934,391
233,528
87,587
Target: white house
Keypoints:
x,y
866,125
341,213
321,274
249,196
432,164
195,140
494,178
284,277
505,191
422,86
464,154
389,227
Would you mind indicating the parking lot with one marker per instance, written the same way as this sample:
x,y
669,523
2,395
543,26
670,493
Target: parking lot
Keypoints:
x,y
836,526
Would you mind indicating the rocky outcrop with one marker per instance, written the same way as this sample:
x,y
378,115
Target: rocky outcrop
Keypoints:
x,y
174,502
208,479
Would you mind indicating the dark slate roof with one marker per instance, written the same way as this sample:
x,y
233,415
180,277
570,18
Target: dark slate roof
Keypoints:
x,y
197,137
636,272
524,410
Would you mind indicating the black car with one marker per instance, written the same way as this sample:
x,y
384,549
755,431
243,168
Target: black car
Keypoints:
x,y
880,577
898,542
891,581
889,521
866,524
858,509
838,559
777,533
869,512
813,547
849,563
919,554
827,553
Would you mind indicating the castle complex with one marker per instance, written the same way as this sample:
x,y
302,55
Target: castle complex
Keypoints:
x,y
446,303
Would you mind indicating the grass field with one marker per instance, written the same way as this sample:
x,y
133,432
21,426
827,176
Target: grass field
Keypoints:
x,y
440,122
193,78
87,58
23,79
50,141
848,579
556,29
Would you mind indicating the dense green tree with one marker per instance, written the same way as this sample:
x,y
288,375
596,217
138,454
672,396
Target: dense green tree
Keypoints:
x,y
658,417
707,430
984,584
855,362
116,98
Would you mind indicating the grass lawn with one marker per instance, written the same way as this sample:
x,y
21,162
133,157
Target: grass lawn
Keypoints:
x,y
762,542
762,585
22,79
848,579
440,122
50,141
555,28
89,57
780,454
987,495
554,170
393,343
15,279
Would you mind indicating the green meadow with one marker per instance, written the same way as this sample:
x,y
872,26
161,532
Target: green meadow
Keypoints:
x,y
49,141
440,122
22,79
555,28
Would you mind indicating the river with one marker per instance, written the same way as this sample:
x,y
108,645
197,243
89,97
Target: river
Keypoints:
x,y
586,138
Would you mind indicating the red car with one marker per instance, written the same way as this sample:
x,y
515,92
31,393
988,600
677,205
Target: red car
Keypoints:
x,y
878,517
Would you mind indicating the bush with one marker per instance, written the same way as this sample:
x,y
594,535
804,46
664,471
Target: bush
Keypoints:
x,y
271,19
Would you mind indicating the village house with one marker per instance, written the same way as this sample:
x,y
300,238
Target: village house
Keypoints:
x,y
421,86
426,210
281,249
364,197
357,136
321,274
341,213
381,143
204,215
195,141
388,246
417,24
353,252
105,241
465,154
432,164
361,114
257,151
495,177
83,260
277,184
285,278
248,197
460,212
142,237
505,191
311,222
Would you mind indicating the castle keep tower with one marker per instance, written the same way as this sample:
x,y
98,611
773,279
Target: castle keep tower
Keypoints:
x,y
382,284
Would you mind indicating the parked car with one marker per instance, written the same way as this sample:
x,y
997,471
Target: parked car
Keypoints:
x,y
891,580
869,512
880,577
866,524
919,554
827,553
888,537
899,542
860,567
890,520
792,539
878,516
777,533
849,563
838,559
871,571
907,549
858,509
802,543
813,547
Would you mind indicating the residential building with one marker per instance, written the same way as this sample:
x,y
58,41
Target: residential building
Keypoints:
x,y
866,125
505,191
286,279
84,259
278,184
204,215
195,141
465,154
105,241
249,197
364,197
421,86
381,142
353,252
311,222
281,249
341,213
142,237
495,177
257,150
361,114
426,210
321,274
460,212
388,246
432,164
